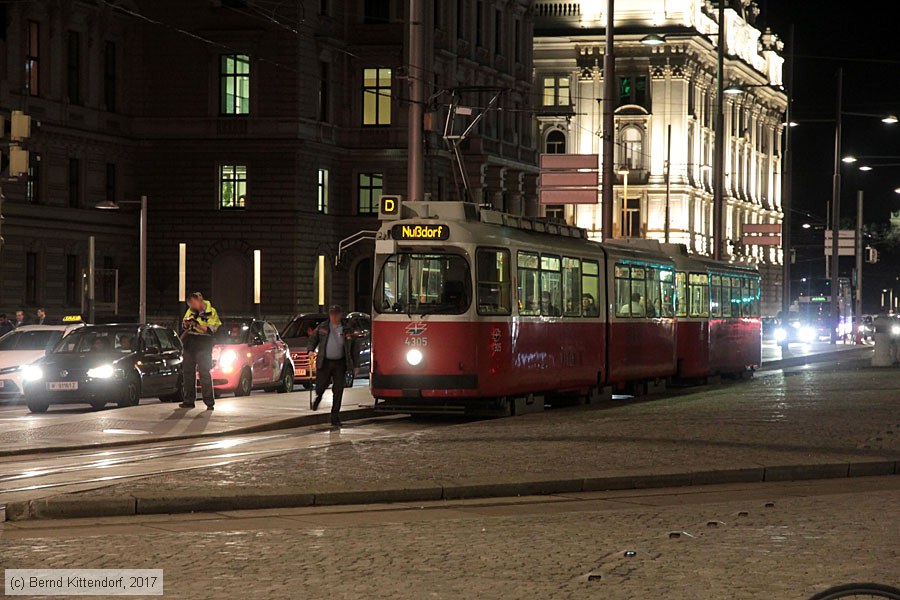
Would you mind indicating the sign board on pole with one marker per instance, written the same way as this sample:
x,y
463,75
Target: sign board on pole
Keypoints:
x,y
569,179
762,228
761,240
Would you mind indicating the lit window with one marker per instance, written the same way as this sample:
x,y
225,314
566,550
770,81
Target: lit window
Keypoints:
x,y
232,186
370,190
32,59
322,204
556,91
631,148
235,84
631,218
376,97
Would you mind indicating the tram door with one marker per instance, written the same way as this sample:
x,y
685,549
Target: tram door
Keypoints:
x,y
362,286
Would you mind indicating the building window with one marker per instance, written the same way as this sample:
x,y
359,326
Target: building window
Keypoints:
x,y
556,91
31,295
32,59
234,81
479,23
438,14
631,148
517,43
324,100
232,186
631,218
33,184
376,97
555,213
110,182
376,11
324,7
109,76
498,32
73,279
73,68
632,90
322,188
370,189
556,142
74,183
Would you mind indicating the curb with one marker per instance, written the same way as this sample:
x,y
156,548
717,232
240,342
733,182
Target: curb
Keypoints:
x,y
68,506
353,414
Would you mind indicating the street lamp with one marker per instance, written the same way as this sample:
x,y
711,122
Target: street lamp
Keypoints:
x,y
112,205
653,40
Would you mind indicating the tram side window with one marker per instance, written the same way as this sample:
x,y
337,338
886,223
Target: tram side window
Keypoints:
x,y
571,286
667,292
529,283
699,300
737,298
551,288
754,297
492,267
746,307
652,302
681,299
590,289
715,295
623,291
631,291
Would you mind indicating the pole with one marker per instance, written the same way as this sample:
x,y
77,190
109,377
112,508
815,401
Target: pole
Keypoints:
x,y
257,282
836,211
786,183
416,73
142,306
857,313
321,283
609,123
719,158
668,169
182,273
90,307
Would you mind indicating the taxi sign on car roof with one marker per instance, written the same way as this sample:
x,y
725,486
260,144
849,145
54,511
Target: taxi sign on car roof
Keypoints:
x,y
71,319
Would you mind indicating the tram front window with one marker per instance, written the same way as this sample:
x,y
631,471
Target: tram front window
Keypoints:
x,y
424,284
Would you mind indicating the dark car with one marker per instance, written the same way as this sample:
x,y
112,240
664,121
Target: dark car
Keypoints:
x,y
99,364
297,333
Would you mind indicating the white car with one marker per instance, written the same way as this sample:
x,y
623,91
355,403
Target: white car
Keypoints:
x,y
22,347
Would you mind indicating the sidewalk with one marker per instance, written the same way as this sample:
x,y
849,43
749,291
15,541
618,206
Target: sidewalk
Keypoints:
x,y
835,420
154,422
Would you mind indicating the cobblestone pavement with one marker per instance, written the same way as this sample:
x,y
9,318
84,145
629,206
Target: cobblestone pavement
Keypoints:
x,y
771,541
830,413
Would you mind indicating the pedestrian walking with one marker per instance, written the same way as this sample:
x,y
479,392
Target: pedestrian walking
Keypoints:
x,y
5,325
199,324
334,351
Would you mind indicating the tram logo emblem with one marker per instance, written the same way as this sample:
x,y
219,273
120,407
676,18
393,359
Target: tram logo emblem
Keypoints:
x,y
416,328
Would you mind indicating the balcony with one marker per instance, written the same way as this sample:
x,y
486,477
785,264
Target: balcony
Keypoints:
x,y
556,14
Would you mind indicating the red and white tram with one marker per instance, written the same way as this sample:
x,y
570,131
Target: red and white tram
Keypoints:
x,y
478,311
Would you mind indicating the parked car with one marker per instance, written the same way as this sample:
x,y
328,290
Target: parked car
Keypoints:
x,y
249,354
22,347
297,333
99,364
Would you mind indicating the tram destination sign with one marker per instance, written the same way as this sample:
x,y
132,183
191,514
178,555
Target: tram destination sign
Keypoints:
x,y
420,232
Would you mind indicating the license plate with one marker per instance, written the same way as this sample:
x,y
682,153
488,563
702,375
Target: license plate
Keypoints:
x,y
302,373
59,386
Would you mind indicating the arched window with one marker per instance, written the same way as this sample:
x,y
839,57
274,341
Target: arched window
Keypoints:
x,y
556,142
631,148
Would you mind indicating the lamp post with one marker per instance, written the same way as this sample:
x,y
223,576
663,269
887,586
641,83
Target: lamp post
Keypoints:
x,y
609,123
142,293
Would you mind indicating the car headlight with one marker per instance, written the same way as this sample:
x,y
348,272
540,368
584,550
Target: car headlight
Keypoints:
x,y
227,360
795,325
32,373
102,372
414,357
807,334
780,334
895,330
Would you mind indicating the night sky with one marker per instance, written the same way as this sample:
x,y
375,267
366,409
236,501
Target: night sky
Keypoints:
x,y
831,34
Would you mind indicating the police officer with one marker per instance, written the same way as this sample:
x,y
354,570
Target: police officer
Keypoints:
x,y
199,324
335,353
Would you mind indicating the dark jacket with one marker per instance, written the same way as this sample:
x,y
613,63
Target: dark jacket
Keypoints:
x,y
6,328
319,339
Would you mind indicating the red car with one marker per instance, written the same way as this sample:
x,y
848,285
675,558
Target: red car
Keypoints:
x,y
249,354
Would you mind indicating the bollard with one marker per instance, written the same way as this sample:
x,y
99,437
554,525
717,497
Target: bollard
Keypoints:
x,y
884,344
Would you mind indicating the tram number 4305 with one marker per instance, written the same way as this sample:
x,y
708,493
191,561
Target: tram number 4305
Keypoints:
x,y
416,341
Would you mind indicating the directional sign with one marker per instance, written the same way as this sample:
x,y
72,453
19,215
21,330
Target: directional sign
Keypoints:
x,y
569,179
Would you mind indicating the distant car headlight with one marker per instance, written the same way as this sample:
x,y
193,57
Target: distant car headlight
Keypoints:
x,y
32,373
863,328
101,372
780,334
795,325
414,357
895,330
227,360
807,334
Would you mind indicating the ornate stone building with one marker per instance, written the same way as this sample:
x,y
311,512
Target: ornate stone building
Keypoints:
x,y
666,53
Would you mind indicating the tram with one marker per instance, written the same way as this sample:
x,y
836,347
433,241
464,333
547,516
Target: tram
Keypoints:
x,y
481,312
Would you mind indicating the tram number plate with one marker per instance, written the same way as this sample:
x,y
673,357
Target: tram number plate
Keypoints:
x,y
58,386
416,341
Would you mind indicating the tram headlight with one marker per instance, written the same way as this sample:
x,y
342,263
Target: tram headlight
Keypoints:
x,y
414,357
780,334
807,335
